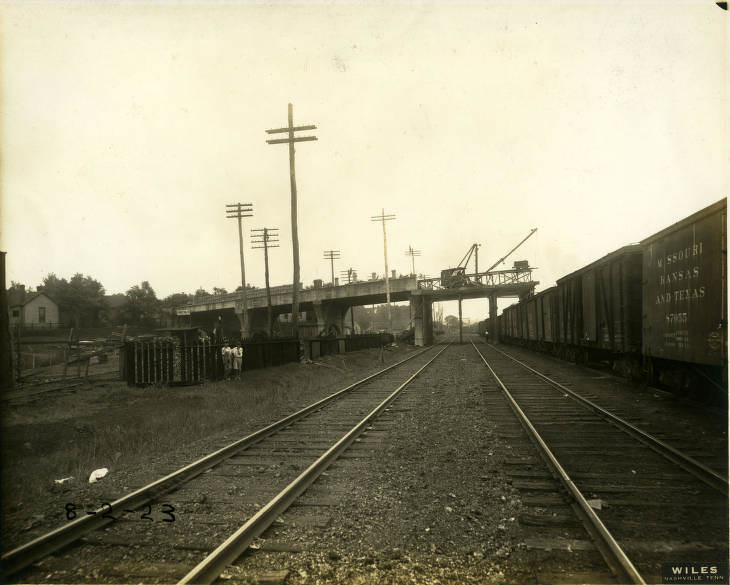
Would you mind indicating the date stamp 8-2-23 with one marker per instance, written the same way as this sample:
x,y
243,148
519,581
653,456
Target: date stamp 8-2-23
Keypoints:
x,y
166,512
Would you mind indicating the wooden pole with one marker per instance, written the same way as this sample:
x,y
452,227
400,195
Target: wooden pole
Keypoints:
x,y
244,298
290,140
387,278
269,318
294,229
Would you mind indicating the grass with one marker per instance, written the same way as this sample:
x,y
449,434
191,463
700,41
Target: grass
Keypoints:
x,y
124,428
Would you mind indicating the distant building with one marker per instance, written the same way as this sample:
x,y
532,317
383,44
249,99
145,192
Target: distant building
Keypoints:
x,y
32,309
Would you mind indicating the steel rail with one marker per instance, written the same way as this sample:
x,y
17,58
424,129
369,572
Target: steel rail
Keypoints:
x,y
32,551
611,551
689,464
208,570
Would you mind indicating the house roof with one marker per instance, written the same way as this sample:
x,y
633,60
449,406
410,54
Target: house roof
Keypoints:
x,y
18,299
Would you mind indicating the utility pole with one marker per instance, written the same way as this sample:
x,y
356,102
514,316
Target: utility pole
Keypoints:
x,y
290,129
266,238
332,255
351,276
239,211
382,218
413,253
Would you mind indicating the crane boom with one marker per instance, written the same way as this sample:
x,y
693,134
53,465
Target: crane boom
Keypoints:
x,y
503,258
467,256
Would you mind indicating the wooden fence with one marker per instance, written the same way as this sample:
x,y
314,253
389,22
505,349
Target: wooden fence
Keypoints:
x,y
172,363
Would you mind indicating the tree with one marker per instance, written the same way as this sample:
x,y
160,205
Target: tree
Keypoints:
x,y
176,299
451,322
219,291
17,288
85,299
362,319
142,306
201,292
80,301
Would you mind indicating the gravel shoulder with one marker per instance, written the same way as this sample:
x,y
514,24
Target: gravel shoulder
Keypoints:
x,y
431,502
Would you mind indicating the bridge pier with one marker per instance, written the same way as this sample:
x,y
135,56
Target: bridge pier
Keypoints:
x,y
422,319
493,325
258,321
328,315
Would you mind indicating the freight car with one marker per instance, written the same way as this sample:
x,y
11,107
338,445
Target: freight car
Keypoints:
x,y
655,309
684,333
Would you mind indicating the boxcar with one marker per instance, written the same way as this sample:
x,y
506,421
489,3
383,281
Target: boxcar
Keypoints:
x,y
510,323
546,313
599,308
530,308
685,291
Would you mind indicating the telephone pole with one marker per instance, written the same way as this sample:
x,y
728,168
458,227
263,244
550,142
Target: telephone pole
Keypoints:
x,y
239,211
382,218
290,140
266,238
413,253
332,255
351,276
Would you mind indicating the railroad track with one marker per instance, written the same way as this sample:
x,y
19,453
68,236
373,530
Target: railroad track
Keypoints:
x,y
33,391
694,428
187,526
642,501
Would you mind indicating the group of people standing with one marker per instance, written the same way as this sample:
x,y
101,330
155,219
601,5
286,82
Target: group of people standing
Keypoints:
x,y
232,354
232,360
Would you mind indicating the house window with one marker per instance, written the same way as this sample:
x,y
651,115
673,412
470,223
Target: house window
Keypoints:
x,y
16,313
41,314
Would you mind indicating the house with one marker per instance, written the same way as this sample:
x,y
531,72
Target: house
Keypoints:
x,y
32,309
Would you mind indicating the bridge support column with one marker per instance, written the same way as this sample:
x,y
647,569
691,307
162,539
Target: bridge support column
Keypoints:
x,y
427,320
243,320
329,315
258,321
493,325
422,320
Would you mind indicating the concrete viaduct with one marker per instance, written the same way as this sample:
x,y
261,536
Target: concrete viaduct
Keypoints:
x,y
331,303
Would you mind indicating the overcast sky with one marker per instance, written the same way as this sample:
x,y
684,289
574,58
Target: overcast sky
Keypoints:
x,y
127,128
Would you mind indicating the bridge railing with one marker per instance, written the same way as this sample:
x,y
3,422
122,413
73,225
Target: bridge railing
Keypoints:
x,y
257,293
486,279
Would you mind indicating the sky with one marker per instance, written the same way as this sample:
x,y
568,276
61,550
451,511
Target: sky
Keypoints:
x,y
126,128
